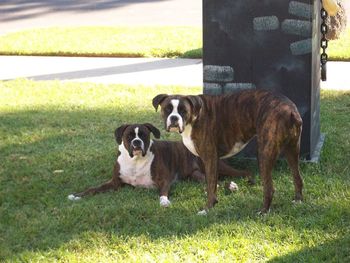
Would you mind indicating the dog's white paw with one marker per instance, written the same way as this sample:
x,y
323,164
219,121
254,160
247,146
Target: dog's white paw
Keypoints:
x,y
263,213
73,197
233,187
202,212
217,186
297,202
164,201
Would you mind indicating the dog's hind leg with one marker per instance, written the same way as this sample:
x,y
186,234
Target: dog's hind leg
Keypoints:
x,y
268,152
292,152
227,170
292,155
198,176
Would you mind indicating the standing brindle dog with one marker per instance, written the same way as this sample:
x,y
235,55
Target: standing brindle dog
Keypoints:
x,y
214,127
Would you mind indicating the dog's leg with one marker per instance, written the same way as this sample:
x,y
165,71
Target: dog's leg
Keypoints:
x,y
112,184
197,169
198,176
164,193
267,156
210,161
227,170
292,155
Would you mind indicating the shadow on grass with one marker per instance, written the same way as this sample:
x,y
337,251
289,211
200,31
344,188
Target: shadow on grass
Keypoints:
x,y
332,251
36,215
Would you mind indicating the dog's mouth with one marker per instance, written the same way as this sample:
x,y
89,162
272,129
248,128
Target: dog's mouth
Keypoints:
x,y
174,128
136,151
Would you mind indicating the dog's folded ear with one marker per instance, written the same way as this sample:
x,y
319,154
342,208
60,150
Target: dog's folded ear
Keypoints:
x,y
118,133
196,103
158,100
153,130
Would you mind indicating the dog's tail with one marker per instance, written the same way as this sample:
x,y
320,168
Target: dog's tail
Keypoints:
x,y
296,119
296,124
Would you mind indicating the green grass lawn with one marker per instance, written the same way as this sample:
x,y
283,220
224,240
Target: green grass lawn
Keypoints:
x,y
105,41
185,42
57,138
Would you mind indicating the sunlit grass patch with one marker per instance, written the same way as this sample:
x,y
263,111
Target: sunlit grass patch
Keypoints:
x,y
46,127
105,41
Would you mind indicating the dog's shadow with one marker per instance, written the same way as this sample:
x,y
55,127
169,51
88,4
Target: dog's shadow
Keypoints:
x,y
136,212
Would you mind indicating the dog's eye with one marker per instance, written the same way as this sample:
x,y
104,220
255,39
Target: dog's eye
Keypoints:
x,y
167,110
182,110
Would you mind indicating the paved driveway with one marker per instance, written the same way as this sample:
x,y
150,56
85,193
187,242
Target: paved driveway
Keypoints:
x,y
22,14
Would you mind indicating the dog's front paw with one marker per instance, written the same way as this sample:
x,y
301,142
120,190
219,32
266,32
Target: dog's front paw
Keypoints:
x,y
297,202
203,212
250,178
263,212
298,199
73,197
164,201
233,187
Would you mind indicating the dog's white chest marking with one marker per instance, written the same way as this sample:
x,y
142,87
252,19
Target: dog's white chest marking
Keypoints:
x,y
237,147
136,171
187,140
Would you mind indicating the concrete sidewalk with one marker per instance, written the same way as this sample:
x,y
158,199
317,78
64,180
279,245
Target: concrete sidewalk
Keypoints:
x,y
145,71
135,71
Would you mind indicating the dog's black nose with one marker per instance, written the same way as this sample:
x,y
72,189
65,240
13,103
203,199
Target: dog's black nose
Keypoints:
x,y
136,143
174,118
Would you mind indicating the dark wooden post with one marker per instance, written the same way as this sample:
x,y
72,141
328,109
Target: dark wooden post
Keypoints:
x,y
273,45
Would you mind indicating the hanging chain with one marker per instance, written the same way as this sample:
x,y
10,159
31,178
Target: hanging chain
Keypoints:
x,y
324,44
